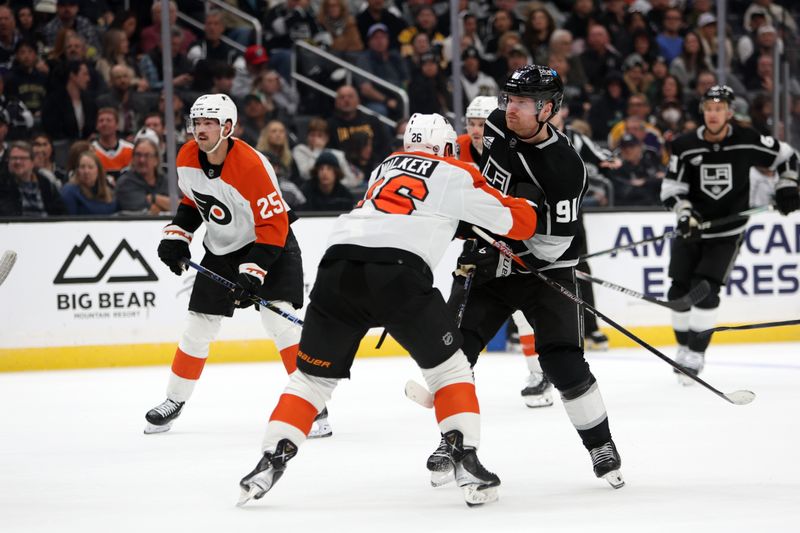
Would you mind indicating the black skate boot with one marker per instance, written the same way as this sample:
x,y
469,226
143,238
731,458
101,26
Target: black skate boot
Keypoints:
x,y
267,472
440,464
320,428
607,462
537,391
479,485
597,341
160,418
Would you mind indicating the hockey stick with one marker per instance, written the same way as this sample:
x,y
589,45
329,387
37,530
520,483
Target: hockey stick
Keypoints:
x,y
675,233
231,285
684,303
740,397
6,264
751,326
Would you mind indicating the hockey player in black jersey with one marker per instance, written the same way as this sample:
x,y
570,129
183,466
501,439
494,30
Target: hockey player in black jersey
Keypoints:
x,y
526,156
708,179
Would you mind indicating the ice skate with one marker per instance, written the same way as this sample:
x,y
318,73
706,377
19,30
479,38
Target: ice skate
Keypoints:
x,y
478,484
440,464
537,391
267,472
691,361
320,428
597,341
607,463
160,418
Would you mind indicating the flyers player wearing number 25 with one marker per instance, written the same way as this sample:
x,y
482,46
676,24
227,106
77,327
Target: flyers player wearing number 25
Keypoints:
x,y
377,271
233,189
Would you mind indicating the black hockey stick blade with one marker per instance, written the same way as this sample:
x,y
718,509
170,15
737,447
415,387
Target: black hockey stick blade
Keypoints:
x,y
231,285
7,263
684,303
736,397
751,326
697,294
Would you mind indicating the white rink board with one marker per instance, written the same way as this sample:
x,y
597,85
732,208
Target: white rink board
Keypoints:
x,y
763,284
101,282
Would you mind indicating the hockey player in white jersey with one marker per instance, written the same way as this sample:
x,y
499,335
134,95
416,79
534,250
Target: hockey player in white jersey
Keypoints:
x,y
233,189
377,271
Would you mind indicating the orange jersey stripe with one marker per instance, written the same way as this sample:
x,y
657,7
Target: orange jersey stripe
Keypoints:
x,y
187,366
295,411
464,153
454,399
115,160
289,358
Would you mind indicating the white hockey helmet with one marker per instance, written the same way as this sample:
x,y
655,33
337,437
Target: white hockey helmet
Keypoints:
x,y
430,133
481,107
214,106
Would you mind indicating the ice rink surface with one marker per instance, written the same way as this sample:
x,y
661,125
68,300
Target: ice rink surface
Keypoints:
x,y
73,457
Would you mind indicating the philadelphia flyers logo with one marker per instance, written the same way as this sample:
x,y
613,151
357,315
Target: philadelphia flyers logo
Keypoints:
x,y
212,209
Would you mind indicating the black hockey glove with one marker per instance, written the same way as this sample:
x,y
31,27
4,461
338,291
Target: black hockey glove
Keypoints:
x,y
688,221
486,261
247,286
174,247
787,196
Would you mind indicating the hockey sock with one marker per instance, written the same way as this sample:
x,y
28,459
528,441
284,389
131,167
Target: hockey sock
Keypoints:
x,y
526,337
303,398
454,398
533,362
285,334
191,355
587,412
701,320
680,324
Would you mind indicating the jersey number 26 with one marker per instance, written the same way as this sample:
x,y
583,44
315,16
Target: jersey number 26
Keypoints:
x,y
396,195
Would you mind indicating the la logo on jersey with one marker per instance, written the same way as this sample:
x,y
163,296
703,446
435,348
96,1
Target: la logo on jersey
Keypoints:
x,y
716,180
212,209
497,176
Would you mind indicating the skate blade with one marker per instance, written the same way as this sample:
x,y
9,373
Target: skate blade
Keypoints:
x,y
255,492
538,401
685,380
475,494
320,429
442,478
614,479
150,429
596,346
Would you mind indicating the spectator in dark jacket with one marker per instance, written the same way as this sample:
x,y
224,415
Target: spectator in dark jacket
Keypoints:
x,y
428,92
69,112
25,192
638,180
325,192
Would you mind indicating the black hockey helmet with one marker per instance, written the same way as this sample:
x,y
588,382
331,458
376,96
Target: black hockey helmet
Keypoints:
x,y
719,93
535,81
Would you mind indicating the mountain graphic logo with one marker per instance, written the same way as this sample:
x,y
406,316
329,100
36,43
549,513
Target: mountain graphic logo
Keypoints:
x,y
88,244
212,209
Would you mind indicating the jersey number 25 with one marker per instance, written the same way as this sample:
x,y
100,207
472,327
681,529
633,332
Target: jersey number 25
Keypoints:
x,y
271,205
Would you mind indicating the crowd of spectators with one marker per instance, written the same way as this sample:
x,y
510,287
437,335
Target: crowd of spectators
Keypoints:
x,y
82,124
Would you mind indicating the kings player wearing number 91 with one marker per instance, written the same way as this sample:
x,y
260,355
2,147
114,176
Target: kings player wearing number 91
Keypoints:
x,y
377,271
233,189
709,178
525,156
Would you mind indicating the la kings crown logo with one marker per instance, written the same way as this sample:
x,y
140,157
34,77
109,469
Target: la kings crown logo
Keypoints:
x,y
716,180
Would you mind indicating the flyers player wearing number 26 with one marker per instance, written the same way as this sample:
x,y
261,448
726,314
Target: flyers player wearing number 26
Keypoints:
x,y
233,189
377,271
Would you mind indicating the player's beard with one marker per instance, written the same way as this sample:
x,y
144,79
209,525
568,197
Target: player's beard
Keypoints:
x,y
718,131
